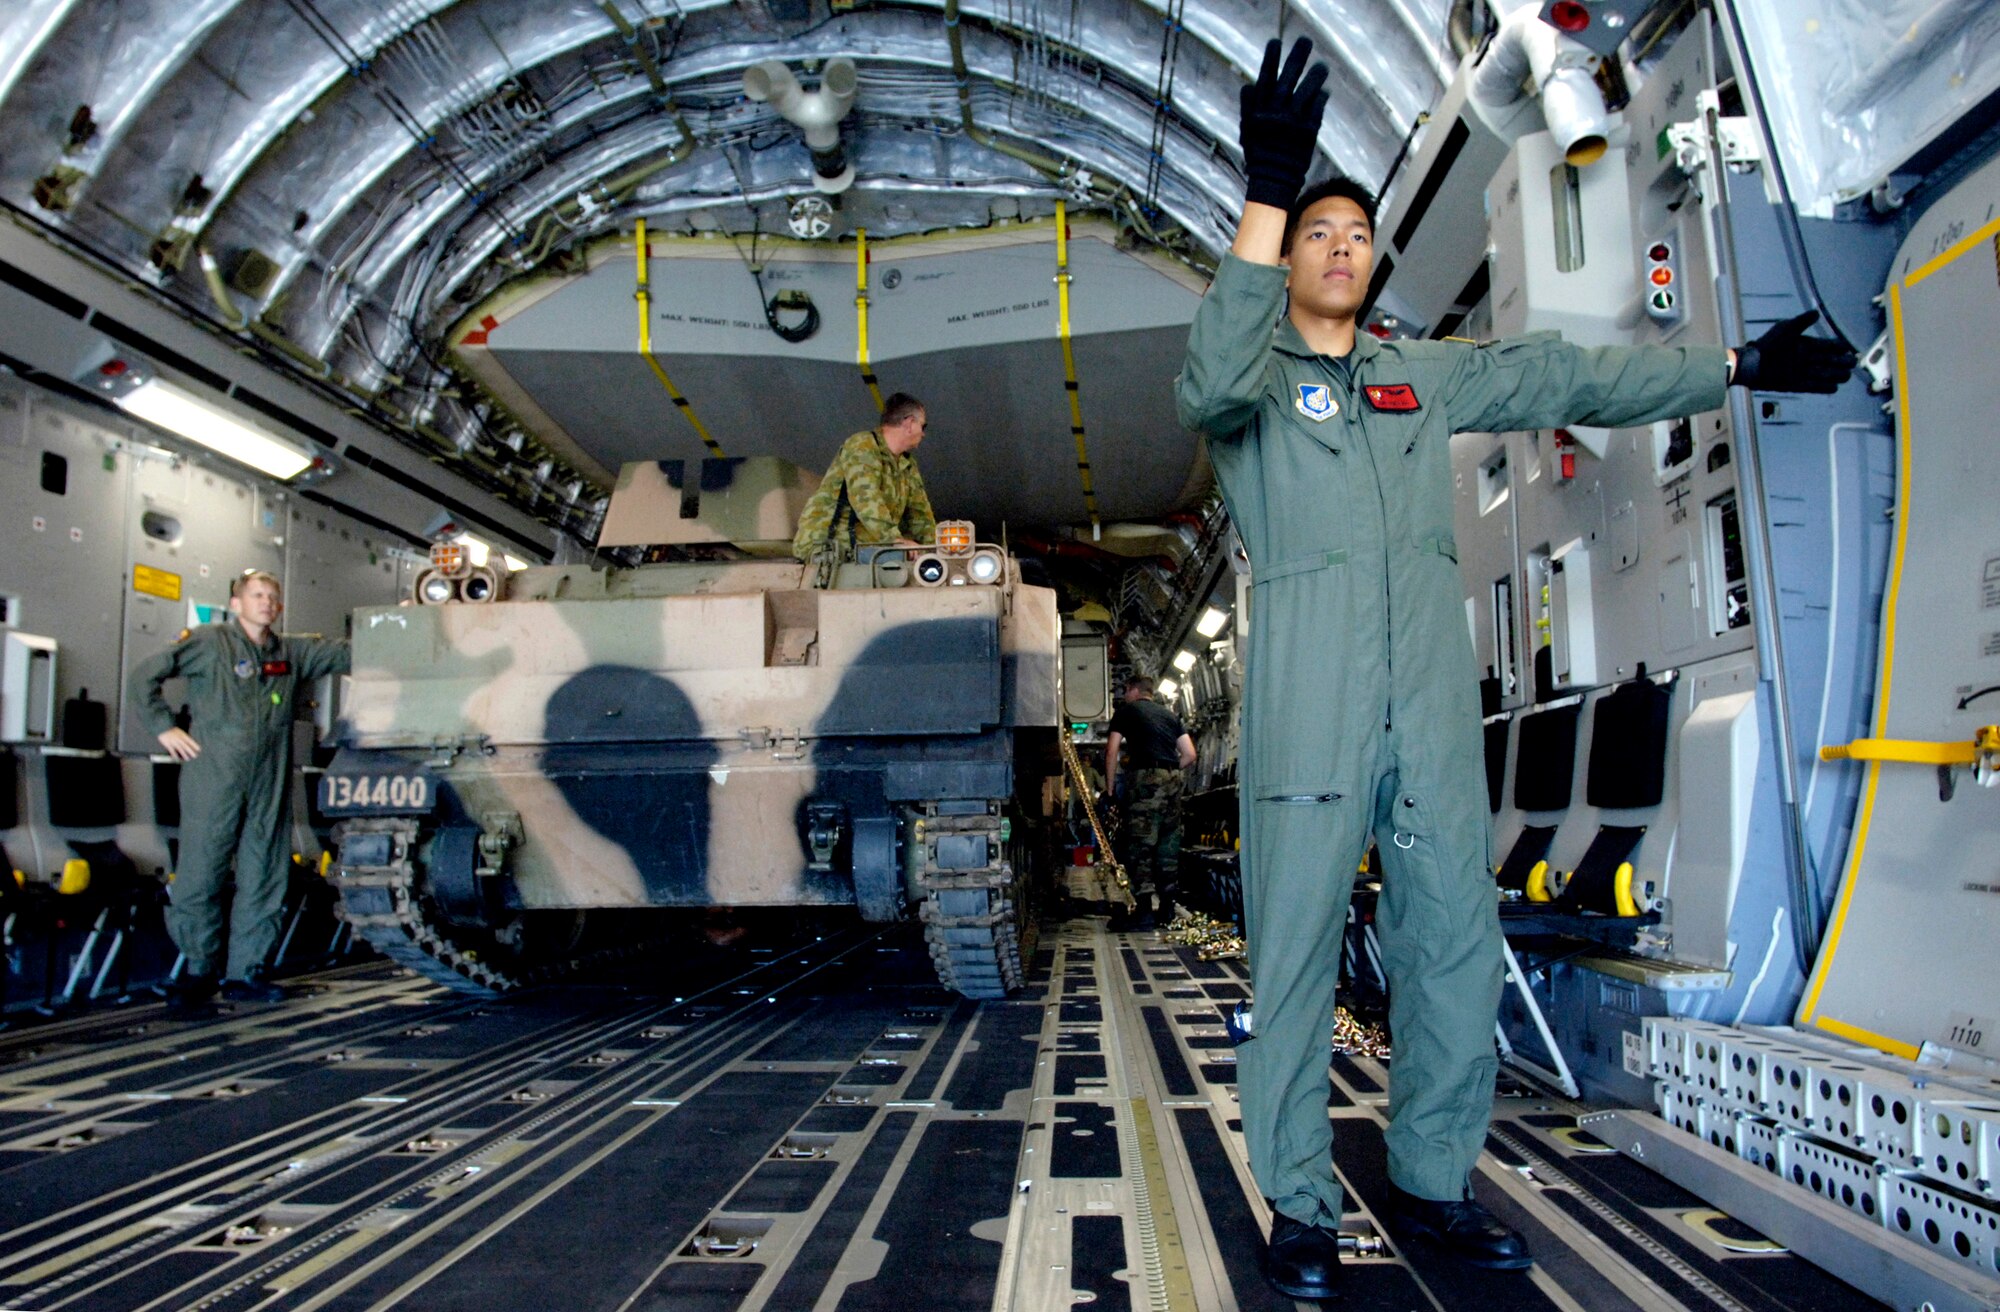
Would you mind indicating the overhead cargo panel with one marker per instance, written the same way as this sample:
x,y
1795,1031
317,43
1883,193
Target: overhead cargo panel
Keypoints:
x,y
966,324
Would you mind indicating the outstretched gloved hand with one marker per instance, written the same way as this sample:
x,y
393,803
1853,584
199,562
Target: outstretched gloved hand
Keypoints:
x,y
1280,124
1784,359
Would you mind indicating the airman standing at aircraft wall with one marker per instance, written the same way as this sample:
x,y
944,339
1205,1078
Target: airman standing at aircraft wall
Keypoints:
x,y
235,781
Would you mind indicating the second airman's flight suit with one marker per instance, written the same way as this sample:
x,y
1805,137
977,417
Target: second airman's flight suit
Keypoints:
x,y
1361,708
870,496
236,795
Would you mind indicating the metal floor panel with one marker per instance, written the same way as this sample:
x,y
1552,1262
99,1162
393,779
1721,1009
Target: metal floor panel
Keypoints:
x,y
812,1126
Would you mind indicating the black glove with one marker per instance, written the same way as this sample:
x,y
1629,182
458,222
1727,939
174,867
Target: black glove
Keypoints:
x,y
1784,359
1280,125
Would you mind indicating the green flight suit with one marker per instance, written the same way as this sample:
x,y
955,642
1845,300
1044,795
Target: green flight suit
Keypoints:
x,y
870,496
235,796
1361,708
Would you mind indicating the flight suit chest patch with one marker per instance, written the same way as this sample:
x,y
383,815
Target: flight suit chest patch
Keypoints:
x,y
245,669
274,668
1393,397
1315,401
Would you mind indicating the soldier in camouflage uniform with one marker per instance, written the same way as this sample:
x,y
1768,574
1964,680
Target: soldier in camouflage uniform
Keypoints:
x,y
872,494
1161,751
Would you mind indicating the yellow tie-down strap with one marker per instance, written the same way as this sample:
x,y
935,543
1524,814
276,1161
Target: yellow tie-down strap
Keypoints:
x,y
645,298
1069,365
1982,753
861,316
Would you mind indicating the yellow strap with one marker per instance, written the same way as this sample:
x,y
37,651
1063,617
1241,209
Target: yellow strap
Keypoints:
x,y
861,315
1069,363
645,298
1910,751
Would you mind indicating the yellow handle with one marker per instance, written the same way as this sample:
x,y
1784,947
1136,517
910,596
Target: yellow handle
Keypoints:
x,y
1621,890
1905,750
1538,883
75,876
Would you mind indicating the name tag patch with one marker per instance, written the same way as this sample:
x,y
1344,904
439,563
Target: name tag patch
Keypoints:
x,y
1316,402
276,667
1392,396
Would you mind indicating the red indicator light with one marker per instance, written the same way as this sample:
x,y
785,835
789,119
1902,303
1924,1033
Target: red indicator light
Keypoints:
x,y
1569,16
1660,253
1661,276
113,368
1569,465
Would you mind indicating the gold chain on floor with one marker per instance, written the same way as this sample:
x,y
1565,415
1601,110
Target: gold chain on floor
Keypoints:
x,y
1217,940
1081,780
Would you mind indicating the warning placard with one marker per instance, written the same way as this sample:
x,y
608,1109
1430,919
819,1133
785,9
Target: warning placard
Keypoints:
x,y
156,582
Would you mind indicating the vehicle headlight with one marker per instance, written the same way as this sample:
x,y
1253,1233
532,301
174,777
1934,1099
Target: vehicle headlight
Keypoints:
x,y
434,589
930,571
482,584
985,567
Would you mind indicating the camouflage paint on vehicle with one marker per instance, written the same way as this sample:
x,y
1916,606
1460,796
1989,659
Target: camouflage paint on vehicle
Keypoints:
x,y
693,734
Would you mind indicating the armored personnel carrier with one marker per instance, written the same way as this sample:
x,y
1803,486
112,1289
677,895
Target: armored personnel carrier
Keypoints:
x,y
535,763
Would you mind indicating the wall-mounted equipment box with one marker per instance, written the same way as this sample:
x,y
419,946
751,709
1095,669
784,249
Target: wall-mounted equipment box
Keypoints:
x,y
27,688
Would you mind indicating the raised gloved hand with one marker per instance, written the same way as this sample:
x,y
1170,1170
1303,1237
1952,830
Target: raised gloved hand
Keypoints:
x,y
1784,359
1280,125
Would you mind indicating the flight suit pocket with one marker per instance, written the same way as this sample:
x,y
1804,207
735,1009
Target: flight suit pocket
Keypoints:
x,y
1420,864
1303,830
1300,795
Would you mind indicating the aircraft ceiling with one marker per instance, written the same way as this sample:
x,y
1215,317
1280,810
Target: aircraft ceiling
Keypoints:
x,y
339,182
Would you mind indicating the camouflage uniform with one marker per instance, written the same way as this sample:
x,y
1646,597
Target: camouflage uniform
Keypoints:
x,y
870,496
1152,828
235,796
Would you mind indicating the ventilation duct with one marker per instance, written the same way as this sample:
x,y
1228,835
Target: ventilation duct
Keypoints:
x,y
817,112
1559,71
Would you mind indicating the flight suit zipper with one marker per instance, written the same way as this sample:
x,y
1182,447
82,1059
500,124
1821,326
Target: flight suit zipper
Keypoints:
x,y
1388,610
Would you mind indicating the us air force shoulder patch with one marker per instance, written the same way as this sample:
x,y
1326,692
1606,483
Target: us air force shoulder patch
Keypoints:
x,y
245,669
1316,402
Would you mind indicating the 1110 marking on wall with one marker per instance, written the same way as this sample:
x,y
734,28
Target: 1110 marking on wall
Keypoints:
x,y
1968,1033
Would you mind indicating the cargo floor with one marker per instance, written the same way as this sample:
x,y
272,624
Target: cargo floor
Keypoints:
x,y
822,1129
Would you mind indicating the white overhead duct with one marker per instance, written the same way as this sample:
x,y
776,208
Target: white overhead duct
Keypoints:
x,y
818,112
1527,50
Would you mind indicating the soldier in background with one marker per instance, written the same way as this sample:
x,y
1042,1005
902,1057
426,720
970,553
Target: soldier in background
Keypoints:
x,y
235,782
872,494
1161,751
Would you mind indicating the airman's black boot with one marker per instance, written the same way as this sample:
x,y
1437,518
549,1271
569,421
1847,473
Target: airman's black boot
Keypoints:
x,y
253,987
1302,1261
1460,1227
191,995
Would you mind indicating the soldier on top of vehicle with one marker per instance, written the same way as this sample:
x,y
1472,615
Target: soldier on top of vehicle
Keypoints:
x,y
872,494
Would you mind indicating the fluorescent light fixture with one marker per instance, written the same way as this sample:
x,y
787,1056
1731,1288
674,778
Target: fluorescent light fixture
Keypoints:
x,y
476,550
1169,689
513,562
1183,660
190,417
1211,622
